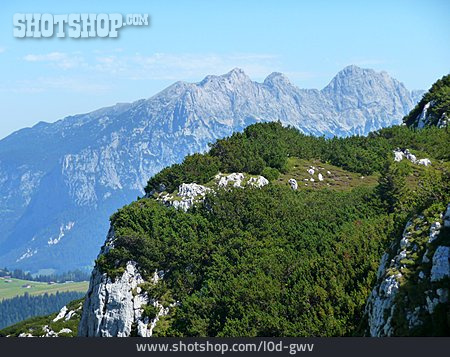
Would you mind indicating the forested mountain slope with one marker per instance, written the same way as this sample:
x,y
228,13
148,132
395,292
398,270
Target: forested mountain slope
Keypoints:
x,y
243,255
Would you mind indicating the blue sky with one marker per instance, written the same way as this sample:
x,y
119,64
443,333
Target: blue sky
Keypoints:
x,y
309,41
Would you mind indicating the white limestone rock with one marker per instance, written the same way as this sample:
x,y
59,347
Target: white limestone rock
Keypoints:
x,y
112,307
188,194
192,190
65,330
258,182
441,264
293,183
320,177
434,231
422,118
61,314
398,155
380,303
311,171
411,157
235,179
25,334
424,162
382,266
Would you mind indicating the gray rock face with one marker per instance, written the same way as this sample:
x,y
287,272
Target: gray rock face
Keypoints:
x,y
115,307
112,307
82,168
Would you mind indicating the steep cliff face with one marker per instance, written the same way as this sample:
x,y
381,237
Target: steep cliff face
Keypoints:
x,y
80,169
434,107
116,306
411,295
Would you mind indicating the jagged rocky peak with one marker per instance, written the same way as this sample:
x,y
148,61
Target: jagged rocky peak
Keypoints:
x,y
235,77
356,80
277,79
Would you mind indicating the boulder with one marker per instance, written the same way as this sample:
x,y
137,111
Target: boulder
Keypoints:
x,y
234,178
424,162
259,181
441,264
293,183
398,155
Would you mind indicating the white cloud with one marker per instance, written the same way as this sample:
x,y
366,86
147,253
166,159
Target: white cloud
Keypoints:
x,y
185,66
60,83
96,72
160,66
58,59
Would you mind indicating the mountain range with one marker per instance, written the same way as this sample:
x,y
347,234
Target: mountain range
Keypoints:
x,y
60,182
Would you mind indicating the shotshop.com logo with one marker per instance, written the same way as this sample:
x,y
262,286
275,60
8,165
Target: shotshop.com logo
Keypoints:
x,y
74,25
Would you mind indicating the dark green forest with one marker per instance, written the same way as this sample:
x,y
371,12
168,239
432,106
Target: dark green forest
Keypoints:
x,y
26,306
75,275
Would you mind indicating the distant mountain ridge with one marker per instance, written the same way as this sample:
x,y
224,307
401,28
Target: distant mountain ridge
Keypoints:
x,y
60,182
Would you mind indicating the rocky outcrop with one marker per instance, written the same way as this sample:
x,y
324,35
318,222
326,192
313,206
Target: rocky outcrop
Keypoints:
x,y
234,179
399,155
185,197
425,119
420,259
258,182
189,194
113,307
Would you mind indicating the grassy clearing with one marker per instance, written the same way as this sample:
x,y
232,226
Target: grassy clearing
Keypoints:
x,y
10,288
338,179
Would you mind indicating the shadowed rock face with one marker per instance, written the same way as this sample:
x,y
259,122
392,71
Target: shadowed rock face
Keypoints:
x,y
60,182
385,306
